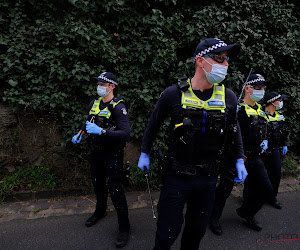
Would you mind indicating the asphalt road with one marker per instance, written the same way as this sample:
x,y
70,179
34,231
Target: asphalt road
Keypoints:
x,y
69,232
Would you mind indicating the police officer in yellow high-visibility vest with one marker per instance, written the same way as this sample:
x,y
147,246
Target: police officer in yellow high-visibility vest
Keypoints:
x,y
278,141
201,111
253,123
108,128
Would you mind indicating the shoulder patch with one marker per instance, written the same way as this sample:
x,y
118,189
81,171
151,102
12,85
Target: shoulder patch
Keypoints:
x,y
124,111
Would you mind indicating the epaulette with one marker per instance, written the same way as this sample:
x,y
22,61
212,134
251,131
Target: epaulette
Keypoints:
x,y
112,102
183,84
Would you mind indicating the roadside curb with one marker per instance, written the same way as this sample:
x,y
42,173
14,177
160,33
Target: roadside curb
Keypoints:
x,y
83,204
41,204
45,194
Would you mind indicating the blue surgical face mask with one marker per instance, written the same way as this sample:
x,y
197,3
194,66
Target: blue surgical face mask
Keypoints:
x,y
217,74
257,95
280,105
101,91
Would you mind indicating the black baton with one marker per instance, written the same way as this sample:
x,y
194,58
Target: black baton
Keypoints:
x,y
150,196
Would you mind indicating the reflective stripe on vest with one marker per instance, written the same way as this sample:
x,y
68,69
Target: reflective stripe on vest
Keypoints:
x,y
250,111
277,117
216,102
95,110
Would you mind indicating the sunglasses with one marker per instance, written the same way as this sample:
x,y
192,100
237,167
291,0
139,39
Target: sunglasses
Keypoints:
x,y
220,58
259,87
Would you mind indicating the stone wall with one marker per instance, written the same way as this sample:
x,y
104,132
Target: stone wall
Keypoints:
x,y
28,138
8,147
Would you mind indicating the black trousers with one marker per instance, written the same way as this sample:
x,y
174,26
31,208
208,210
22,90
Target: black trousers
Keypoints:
x,y
107,175
198,193
257,187
223,191
273,165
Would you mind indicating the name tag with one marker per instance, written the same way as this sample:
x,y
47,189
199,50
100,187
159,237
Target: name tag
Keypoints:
x,y
191,101
215,103
103,112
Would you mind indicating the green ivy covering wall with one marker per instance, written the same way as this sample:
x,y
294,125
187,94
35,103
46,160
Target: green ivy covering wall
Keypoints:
x,y
51,49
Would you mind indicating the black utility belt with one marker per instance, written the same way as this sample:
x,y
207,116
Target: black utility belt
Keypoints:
x,y
271,149
194,170
252,153
273,145
97,142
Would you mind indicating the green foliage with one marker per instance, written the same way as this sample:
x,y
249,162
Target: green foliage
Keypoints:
x,y
138,179
35,211
31,178
289,164
51,49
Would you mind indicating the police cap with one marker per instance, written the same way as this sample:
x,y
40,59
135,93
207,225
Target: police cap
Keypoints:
x,y
215,46
273,96
107,77
256,79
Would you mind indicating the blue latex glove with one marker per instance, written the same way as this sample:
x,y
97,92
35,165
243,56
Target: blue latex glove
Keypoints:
x,y
92,128
264,146
144,161
75,140
242,172
284,150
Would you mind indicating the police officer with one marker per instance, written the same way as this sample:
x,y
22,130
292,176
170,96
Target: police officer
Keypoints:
x,y
108,130
253,123
201,111
278,137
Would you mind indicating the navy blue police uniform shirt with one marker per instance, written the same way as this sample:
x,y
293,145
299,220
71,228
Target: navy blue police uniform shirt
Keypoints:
x,y
120,116
169,103
245,125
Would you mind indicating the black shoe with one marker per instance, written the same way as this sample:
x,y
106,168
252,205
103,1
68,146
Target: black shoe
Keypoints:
x,y
94,219
251,221
276,204
122,239
215,226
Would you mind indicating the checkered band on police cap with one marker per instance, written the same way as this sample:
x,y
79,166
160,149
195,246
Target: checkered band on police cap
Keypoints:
x,y
216,46
107,77
273,99
273,96
255,79
219,44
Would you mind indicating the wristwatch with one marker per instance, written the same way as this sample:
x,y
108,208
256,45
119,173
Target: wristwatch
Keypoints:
x,y
103,132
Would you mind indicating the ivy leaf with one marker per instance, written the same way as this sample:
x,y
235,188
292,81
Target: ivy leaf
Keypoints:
x,y
13,83
73,1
